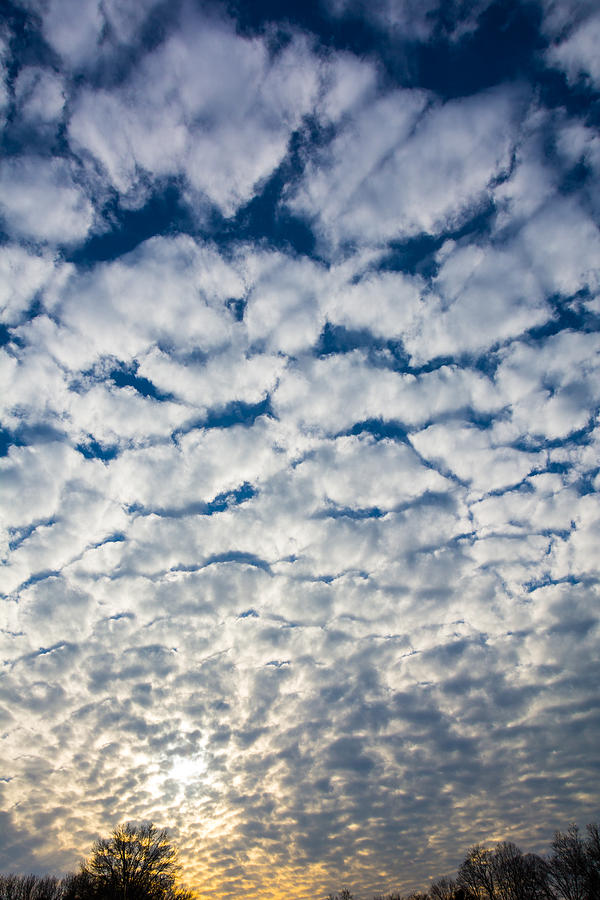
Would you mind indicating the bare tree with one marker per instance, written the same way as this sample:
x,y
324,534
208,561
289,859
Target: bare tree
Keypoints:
x,y
592,847
518,876
568,865
477,875
78,886
443,889
48,888
135,863
30,887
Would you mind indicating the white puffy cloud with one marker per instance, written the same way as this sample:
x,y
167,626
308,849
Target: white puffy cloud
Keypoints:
x,y
551,388
195,106
226,378
22,276
545,504
33,479
406,165
42,201
73,30
388,305
335,393
40,94
358,472
562,241
215,461
348,82
483,296
283,303
122,308
576,53
84,32
472,455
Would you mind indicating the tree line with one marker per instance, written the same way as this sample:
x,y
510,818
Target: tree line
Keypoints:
x,y
139,862
571,871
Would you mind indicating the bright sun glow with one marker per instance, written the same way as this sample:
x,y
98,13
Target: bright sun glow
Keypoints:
x,y
183,770
186,768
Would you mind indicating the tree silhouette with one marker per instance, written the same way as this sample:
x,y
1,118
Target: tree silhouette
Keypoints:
x,y
569,867
476,874
592,846
443,889
134,863
519,876
30,887
78,886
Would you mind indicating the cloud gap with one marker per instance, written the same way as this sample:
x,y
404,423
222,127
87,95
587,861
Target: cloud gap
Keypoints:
x,y
124,375
36,579
29,434
418,255
232,414
92,449
380,429
165,212
20,535
236,557
219,504
504,47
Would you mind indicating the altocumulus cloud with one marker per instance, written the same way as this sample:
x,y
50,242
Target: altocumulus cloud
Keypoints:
x,y
300,359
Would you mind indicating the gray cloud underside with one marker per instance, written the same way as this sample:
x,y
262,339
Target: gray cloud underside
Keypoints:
x,y
328,612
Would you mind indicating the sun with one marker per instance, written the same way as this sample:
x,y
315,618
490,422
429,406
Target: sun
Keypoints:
x,y
185,769
179,772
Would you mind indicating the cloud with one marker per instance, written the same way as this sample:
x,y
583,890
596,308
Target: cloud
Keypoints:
x,y
575,53
81,33
551,388
347,83
4,96
335,393
470,454
42,201
407,165
40,95
24,275
165,285
482,295
193,108
412,21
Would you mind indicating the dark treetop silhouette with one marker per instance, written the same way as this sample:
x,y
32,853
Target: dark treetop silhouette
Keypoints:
x,y
137,862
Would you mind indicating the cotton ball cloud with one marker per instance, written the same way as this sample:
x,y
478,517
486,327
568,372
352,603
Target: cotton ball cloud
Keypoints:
x,y
42,201
576,54
194,106
40,95
22,275
422,172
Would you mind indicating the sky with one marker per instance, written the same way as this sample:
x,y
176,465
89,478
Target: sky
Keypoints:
x,y
300,333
